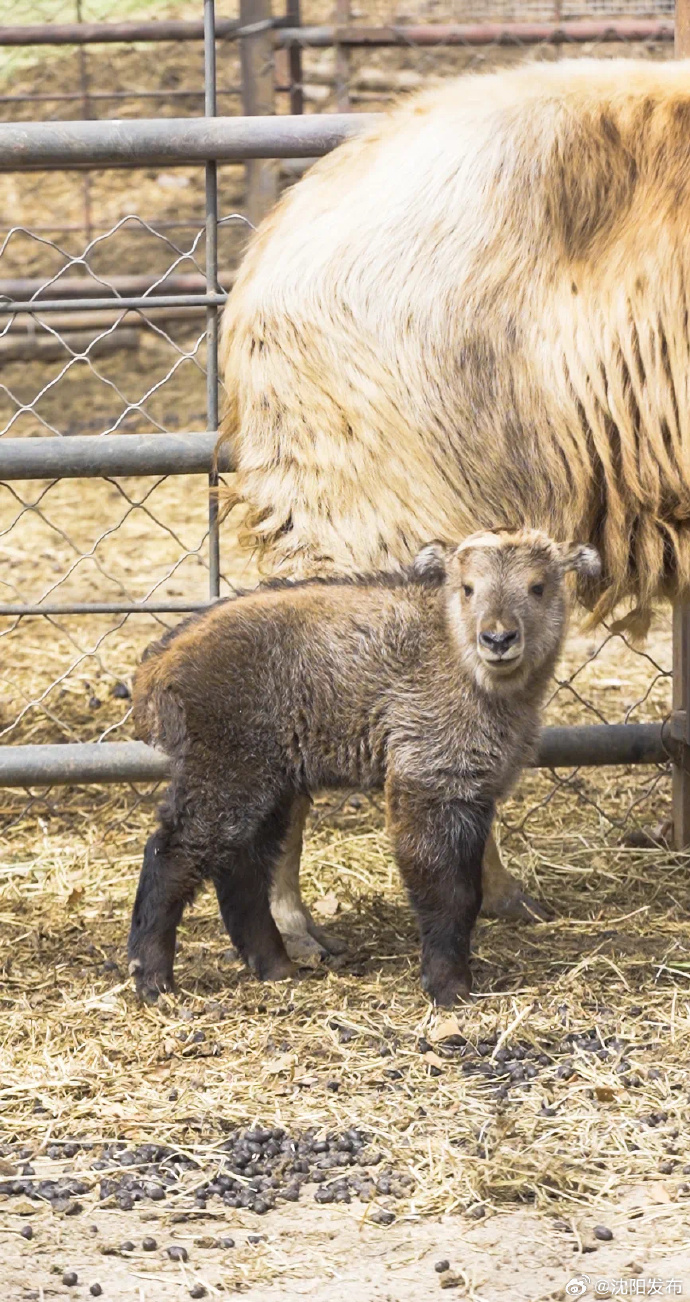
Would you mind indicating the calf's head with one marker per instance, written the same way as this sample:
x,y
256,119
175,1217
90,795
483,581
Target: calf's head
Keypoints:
x,y
506,601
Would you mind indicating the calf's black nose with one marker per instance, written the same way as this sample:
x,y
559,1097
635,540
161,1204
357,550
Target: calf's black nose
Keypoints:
x,y
499,642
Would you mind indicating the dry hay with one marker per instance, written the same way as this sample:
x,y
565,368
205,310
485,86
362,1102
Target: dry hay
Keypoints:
x,y
502,1107
562,1085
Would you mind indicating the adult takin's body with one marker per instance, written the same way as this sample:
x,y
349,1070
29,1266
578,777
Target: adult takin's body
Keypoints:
x,y
476,313
428,684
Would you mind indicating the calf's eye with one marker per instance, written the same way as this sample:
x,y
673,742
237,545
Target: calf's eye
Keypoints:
x,y
467,589
537,589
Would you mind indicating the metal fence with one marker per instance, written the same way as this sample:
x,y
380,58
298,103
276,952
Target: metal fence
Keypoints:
x,y
113,269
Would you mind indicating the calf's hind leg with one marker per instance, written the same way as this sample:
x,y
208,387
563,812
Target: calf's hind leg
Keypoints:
x,y
439,846
242,873
167,882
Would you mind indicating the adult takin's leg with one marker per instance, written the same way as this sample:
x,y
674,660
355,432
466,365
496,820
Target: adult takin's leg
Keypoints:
x,y
304,940
439,845
242,872
167,882
502,894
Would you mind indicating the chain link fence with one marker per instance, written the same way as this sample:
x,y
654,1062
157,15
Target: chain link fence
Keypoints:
x,y
81,549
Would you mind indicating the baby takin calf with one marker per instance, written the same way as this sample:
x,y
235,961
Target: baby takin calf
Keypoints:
x,y
428,684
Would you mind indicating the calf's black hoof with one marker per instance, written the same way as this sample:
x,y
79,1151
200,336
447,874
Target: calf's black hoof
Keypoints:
x,y
149,985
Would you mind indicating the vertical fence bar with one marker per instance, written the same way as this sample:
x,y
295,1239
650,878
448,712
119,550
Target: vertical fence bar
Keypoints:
x,y
342,59
87,113
212,288
293,17
681,613
681,730
256,57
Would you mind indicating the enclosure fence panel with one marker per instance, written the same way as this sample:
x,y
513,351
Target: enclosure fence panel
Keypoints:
x,y
120,244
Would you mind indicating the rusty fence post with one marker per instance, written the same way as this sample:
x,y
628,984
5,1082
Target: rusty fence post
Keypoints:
x,y
256,57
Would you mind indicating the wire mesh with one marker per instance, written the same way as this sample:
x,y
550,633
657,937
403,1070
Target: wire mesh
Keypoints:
x,y
375,77
66,677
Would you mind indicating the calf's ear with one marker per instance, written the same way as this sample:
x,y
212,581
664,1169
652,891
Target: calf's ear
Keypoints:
x,y
430,562
582,558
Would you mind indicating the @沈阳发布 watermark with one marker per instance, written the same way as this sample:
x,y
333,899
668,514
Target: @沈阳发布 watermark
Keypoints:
x,y
636,1286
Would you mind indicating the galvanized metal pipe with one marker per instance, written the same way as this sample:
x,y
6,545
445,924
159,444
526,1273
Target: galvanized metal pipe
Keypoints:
x,y
86,456
439,35
170,142
88,762
410,34
30,287
81,762
113,33
171,607
10,307
210,109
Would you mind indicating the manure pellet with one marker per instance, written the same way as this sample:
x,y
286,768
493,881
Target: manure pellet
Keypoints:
x,y
149,1244
441,1266
380,1216
226,1243
197,1291
127,1246
95,1290
70,1278
603,1232
177,1253
27,1232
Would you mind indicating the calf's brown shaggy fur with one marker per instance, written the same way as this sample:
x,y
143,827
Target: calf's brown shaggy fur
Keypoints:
x,y
428,684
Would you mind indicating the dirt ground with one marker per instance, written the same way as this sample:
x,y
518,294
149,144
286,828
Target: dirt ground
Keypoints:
x,y
326,1255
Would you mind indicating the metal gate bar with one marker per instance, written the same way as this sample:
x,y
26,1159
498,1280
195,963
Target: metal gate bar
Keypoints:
x,y
406,34
92,456
133,761
173,142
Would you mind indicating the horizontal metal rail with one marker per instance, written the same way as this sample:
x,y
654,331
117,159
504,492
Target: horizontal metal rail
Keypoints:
x,y
171,607
172,141
118,33
90,456
27,287
589,745
439,34
520,33
81,762
9,307
131,761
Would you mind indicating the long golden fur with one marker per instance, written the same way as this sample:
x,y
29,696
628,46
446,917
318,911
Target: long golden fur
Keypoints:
x,y
476,313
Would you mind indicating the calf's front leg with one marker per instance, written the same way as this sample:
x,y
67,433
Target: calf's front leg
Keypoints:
x,y
167,882
439,845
